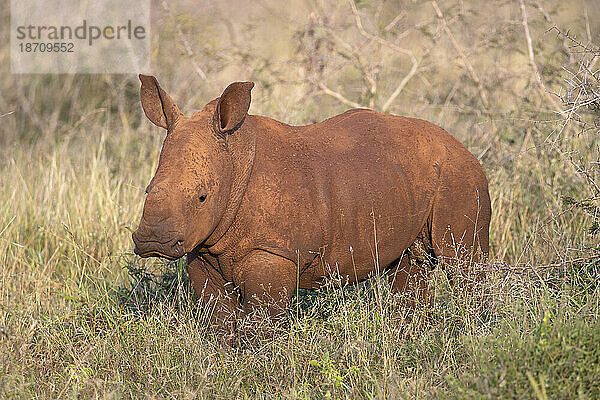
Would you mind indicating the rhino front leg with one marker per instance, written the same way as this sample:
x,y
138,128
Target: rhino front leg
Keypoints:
x,y
266,282
214,292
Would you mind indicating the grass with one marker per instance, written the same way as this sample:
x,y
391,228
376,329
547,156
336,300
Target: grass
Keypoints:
x,y
149,337
81,316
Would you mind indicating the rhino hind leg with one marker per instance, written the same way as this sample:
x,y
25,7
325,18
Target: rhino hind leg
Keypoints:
x,y
410,274
460,232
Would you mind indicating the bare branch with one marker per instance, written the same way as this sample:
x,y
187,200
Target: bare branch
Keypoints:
x,y
415,63
233,39
461,53
411,73
187,46
376,38
338,96
504,266
532,64
588,31
359,62
391,25
543,11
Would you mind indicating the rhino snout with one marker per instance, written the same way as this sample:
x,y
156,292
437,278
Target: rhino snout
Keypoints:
x,y
148,244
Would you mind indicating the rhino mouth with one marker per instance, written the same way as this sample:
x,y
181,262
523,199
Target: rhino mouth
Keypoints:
x,y
171,250
155,253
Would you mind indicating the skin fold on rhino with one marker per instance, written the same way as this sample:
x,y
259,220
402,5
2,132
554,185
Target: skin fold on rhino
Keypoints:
x,y
261,208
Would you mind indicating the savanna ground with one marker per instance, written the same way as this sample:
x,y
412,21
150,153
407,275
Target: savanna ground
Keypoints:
x,y
81,316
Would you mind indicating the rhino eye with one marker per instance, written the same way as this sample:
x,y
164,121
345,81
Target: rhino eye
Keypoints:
x,y
202,197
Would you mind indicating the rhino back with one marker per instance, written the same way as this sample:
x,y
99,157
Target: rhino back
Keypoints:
x,y
376,178
331,187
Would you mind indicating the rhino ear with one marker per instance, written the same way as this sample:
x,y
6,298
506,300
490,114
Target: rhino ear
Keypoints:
x,y
158,106
232,107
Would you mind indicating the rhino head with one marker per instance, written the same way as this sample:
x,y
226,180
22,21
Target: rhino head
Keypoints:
x,y
189,192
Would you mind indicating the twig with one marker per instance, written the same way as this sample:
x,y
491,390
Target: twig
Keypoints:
x,y
588,31
543,11
409,53
411,73
391,25
378,39
367,75
577,43
532,64
187,46
403,82
338,96
504,267
462,55
228,25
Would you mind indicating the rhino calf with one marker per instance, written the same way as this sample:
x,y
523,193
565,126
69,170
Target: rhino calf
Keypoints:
x,y
261,207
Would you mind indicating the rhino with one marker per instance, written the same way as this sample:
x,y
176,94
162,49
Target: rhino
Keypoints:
x,y
261,208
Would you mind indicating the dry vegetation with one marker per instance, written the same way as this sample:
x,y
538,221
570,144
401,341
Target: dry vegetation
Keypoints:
x,y
80,316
